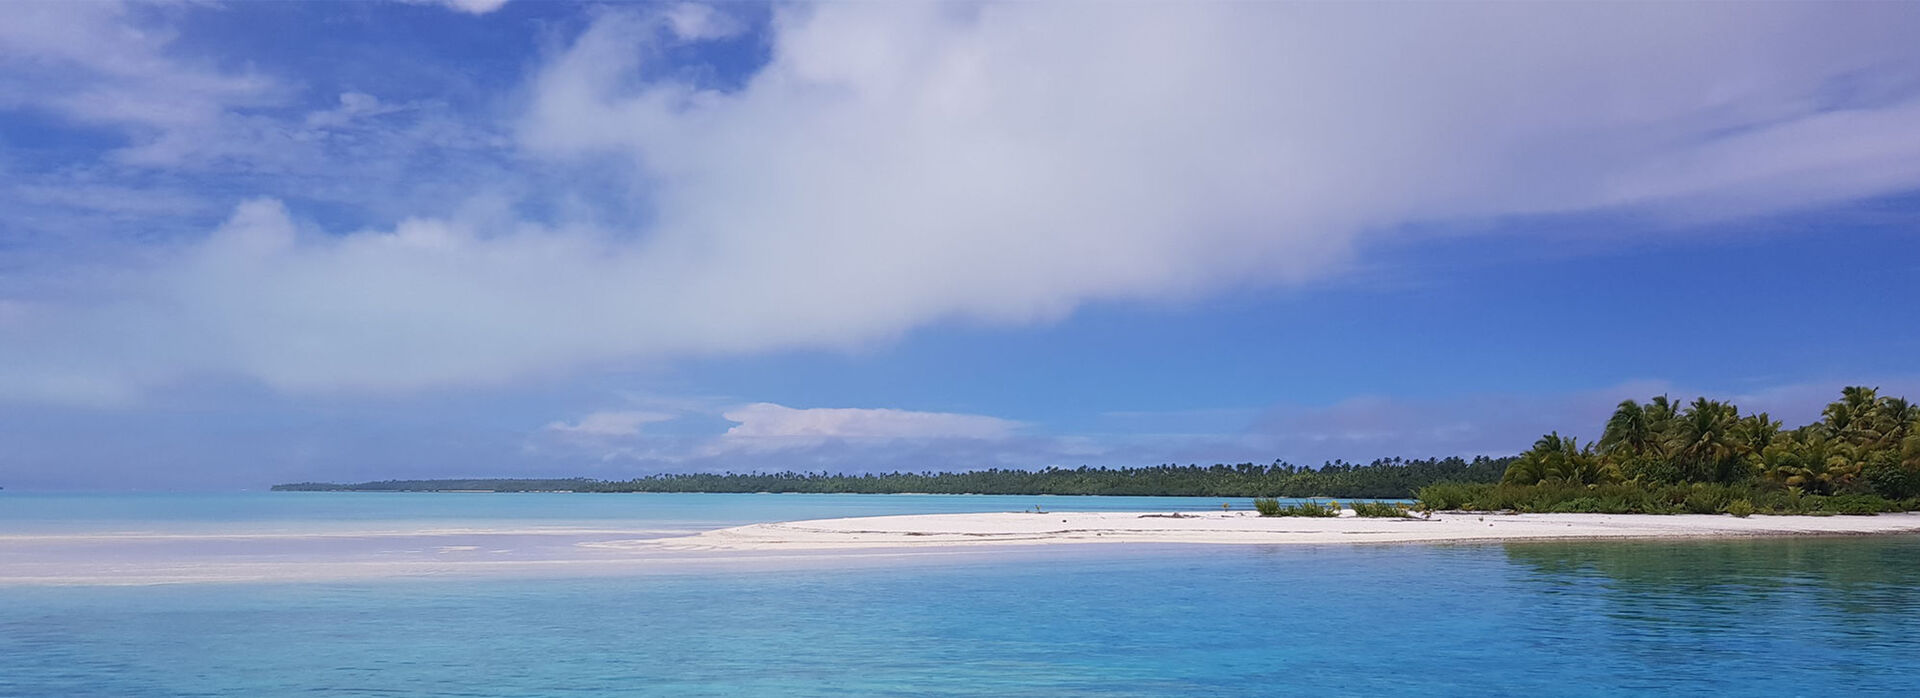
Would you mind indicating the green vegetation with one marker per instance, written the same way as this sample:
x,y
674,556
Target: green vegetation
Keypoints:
x,y
1390,478
1657,457
1379,510
1267,506
1862,457
1639,498
1307,508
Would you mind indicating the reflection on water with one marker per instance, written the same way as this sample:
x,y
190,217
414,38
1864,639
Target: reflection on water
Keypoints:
x,y
1868,575
1744,605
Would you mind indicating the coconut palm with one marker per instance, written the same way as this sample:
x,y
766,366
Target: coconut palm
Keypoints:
x,y
1557,458
1809,458
1757,431
1705,444
1910,446
1893,421
1853,412
1634,430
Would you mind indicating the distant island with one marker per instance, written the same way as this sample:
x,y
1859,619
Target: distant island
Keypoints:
x,y
1391,478
1657,457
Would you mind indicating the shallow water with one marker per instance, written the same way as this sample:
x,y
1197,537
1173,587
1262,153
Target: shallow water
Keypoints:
x,y
1760,617
22,512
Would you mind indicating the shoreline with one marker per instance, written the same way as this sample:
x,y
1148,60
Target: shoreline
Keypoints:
x,y
1246,528
518,549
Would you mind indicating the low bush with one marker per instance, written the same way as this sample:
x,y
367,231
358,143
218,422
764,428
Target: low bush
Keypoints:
x,y
1450,496
1858,504
1706,499
1307,508
1379,510
1891,479
1267,506
1740,508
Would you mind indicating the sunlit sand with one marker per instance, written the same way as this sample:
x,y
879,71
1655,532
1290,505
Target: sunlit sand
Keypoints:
x,y
437,551
1246,528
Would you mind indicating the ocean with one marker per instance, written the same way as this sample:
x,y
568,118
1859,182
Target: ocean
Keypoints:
x,y
1779,617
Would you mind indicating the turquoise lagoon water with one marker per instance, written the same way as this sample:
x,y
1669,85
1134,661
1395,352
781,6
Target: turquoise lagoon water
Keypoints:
x,y
1758,617
24,512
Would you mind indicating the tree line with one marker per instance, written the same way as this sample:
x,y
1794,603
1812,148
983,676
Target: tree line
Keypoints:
x,y
1387,478
1665,456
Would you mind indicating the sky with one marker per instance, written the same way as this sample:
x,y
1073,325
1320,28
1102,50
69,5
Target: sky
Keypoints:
x,y
251,243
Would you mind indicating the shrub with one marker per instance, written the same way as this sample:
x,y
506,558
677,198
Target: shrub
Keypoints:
x,y
1707,499
1857,504
1379,510
1451,496
1307,508
1267,506
1651,470
1313,508
1740,508
1891,480
1579,505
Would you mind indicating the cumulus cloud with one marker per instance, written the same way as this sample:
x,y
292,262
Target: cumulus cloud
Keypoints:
x,y
605,424
895,165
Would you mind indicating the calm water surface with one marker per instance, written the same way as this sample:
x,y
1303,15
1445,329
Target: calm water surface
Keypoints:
x,y
1760,618
23,512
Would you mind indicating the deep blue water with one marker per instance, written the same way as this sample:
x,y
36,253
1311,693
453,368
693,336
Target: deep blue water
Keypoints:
x,y
1814,617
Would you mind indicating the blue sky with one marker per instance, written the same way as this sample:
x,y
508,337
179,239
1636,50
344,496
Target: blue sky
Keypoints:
x,y
259,242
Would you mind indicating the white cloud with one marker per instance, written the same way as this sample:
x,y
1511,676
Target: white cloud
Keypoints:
x,y
896,165
95,62
766,419
607,424
765,427
474,7
697,22
769,435
353,105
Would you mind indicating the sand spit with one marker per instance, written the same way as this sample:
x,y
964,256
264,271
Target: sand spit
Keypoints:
x,y
1246,528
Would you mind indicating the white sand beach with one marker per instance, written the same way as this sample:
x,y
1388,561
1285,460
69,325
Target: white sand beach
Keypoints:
x,y
1247,528
438,550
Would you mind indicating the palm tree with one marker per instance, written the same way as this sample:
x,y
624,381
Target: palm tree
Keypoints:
x,y
1910,446
1705,444
1557,458
1757,432
1633,430
1853,412
1893,420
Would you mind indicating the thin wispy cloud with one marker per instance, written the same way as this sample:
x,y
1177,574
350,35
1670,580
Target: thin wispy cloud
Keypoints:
x,y
609,424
